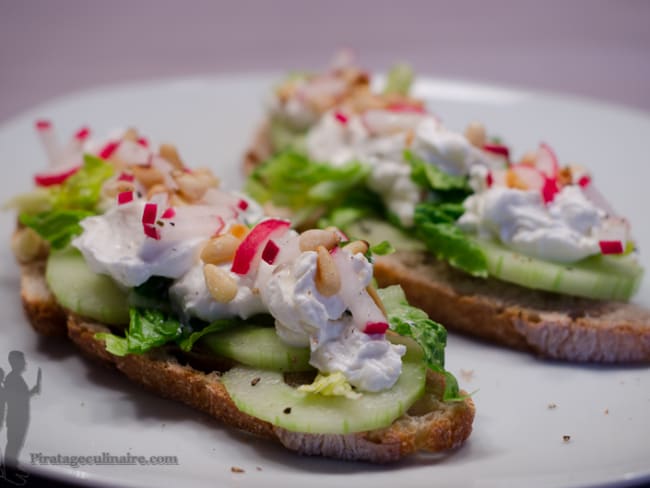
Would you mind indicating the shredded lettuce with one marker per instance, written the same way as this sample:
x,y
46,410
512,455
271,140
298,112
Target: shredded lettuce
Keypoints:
x,y
399,79
331,384
56,227
435,226
304,186
412,322
187,342
382,249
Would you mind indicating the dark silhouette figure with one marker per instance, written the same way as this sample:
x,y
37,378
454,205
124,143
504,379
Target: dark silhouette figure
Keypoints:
x,y
17,396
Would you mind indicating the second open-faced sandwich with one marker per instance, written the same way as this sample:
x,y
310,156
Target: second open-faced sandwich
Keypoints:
x,y
150,267
524,252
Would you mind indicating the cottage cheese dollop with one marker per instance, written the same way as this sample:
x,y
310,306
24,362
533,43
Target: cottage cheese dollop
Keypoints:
x,y
562,231
114,244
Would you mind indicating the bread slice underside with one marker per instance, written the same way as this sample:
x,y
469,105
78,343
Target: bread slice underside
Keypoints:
x,y
430,425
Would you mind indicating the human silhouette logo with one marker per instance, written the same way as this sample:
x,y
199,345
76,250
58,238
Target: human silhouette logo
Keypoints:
x,y
15,397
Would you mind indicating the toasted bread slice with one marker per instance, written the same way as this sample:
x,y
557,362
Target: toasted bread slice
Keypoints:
x,y
548,324
430,425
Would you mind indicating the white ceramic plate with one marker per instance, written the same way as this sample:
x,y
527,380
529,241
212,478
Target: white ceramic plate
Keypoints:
x,y
517,441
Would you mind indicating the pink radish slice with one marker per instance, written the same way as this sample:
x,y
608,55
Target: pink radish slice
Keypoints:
x,y
151,231
405,107
149,214
597,198
496,177
499,149
584,181
250,250
341,117
376,328
547,161
82,134
168,213
55,177
126,177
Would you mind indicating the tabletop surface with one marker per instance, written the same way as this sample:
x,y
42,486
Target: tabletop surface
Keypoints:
x,y
597,49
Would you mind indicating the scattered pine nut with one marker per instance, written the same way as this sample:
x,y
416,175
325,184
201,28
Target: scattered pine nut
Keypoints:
x,y
311,239
475,134
356,247
170,153
221,285
220,250
328,279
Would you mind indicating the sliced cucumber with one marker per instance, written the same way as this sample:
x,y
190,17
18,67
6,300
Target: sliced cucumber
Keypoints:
x,y
83,291
599,277
259,347
265,395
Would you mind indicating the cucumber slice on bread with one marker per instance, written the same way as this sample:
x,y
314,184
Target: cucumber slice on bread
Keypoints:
x,y
83,291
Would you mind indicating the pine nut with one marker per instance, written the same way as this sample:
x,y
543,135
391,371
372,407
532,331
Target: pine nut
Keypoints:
x,y
176,200
191,187
170,153
475,134
158,188
529,158
131,134
328,279
356,247
220,250
148,176
207,177
221,285
375,298
113,188
27,245
311,239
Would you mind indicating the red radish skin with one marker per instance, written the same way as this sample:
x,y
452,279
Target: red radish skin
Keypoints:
x,y
54,178
376,328
499,149
549,190
126,177
489,180
151,231
250,250
124,197
168,213
242,204
108,149
341,117
405,107
149,213
143,142
270,252
82,134
611,247
547,161
584,181
43,124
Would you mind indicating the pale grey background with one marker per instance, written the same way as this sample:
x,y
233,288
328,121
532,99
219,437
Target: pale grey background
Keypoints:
x,y
598,49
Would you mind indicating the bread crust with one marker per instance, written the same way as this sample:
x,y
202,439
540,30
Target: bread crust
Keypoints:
x,y
441,426
550,325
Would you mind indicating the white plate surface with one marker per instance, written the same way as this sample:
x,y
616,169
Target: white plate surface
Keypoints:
x,y
517,440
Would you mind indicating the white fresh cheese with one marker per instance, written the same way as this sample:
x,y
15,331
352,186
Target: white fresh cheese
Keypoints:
x,y
191,298
562,231
115,244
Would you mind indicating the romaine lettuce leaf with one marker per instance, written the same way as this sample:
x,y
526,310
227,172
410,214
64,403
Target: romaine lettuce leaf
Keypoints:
x,y
294,181
435,226
148,328
82,190
399,79
431,177
412,322
56,226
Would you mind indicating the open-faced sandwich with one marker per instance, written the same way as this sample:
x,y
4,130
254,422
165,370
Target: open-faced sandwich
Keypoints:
x,y
148,266
524,252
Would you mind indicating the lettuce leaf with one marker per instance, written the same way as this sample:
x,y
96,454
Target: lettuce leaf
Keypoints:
x,y
431,177
82,190
187,342
435,226
66,204
292,180
399,79
412,322
147,329
56,227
